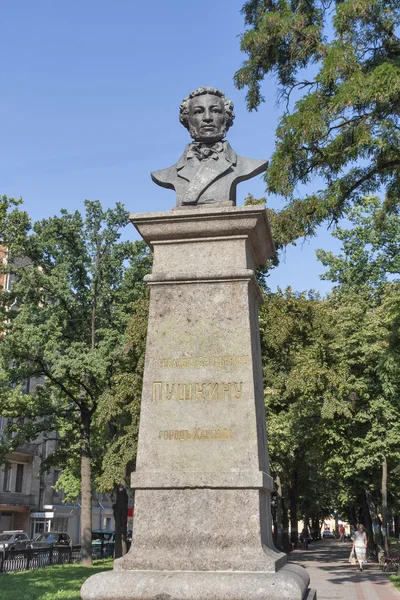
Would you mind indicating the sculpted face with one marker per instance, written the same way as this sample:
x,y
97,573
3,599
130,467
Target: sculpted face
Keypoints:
x,y
207,120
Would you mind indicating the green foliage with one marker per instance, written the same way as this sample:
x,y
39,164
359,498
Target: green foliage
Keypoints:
x,y
119,407
366,307
343,67
69,480
285,230
72,298
53,583
299,378
371,248
332,375
395,579
14,223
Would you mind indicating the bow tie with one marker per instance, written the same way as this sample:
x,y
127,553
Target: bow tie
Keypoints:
x,y
203,151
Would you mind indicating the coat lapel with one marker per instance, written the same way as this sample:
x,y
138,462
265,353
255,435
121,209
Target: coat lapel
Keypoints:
x,y
187,167
201,174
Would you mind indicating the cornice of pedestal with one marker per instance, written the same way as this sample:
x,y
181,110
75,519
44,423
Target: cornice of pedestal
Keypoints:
x,y
209,222
202,479
195,277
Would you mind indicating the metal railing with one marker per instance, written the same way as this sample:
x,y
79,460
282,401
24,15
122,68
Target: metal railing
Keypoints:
x,y
37,558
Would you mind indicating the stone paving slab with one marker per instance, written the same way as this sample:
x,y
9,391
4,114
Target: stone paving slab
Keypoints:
x,y
335,579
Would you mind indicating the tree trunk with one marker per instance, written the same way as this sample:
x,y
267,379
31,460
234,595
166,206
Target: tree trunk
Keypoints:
x,y
385,523
369,515
352,516
314,528
321,525
285,527
120,508
396,519
294,535
86,507
279,513
336,524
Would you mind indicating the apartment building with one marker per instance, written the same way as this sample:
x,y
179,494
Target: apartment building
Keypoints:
x,y
28,500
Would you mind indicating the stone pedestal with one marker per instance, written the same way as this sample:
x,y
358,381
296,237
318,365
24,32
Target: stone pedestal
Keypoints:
x,y
202,527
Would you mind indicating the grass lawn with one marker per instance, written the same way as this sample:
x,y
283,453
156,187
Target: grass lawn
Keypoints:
x,y
395,579
61,582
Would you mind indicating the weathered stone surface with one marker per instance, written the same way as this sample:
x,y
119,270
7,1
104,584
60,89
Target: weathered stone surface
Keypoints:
x,y
242,236
202,525
289,584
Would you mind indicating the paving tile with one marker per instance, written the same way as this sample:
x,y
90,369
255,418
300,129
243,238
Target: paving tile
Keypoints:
x,y
327,562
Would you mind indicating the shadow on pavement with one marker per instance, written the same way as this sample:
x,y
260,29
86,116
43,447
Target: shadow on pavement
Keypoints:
x,y
332,558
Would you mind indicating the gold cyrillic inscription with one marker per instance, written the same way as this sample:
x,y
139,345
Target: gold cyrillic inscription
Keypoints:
x,y
169,391
184,391
157,390
196,434
213,391
226,391
196,362
238,389
200,391
197,392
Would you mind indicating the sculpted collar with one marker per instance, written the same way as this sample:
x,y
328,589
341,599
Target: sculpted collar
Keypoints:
x,y
192,151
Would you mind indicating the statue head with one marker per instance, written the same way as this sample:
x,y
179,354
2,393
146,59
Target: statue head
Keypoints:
x,y
207,114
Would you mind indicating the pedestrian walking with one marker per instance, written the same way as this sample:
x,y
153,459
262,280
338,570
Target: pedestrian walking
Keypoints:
x,y
304,538
341,532
360,543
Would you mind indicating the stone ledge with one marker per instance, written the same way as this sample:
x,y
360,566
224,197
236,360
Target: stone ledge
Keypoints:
x,y
201,479
208,223
188,277
196,278
290,583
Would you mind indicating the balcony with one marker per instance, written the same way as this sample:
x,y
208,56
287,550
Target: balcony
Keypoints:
x,y
26,448
11,499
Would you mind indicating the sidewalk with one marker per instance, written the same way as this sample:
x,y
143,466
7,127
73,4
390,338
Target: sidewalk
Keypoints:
x,y
335,579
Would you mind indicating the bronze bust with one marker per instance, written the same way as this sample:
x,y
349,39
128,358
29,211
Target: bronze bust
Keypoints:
x,y
208,170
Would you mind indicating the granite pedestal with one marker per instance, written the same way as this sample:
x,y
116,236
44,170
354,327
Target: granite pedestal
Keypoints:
x,y
202,527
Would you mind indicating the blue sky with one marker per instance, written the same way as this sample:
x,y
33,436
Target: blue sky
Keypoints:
x,y
90,91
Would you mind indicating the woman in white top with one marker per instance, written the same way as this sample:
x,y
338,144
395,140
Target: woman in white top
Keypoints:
x,y
360,543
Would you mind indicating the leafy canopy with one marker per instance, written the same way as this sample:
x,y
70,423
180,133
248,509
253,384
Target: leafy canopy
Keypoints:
x,y
75,283
340,63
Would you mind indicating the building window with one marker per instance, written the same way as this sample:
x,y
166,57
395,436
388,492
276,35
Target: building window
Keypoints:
x,y
37,527
7,478
19,478
3,422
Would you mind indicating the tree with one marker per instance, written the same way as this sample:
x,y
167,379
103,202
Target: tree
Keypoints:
x,y
14,222
366,302
298,379
338,70
118,415
370,249
75,283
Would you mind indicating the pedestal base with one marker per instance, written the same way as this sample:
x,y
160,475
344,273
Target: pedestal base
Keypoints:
x,y
202,527
290,583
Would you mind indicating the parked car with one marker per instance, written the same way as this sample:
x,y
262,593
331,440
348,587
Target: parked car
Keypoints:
x,y
103,542
14,540
327,534
53,539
